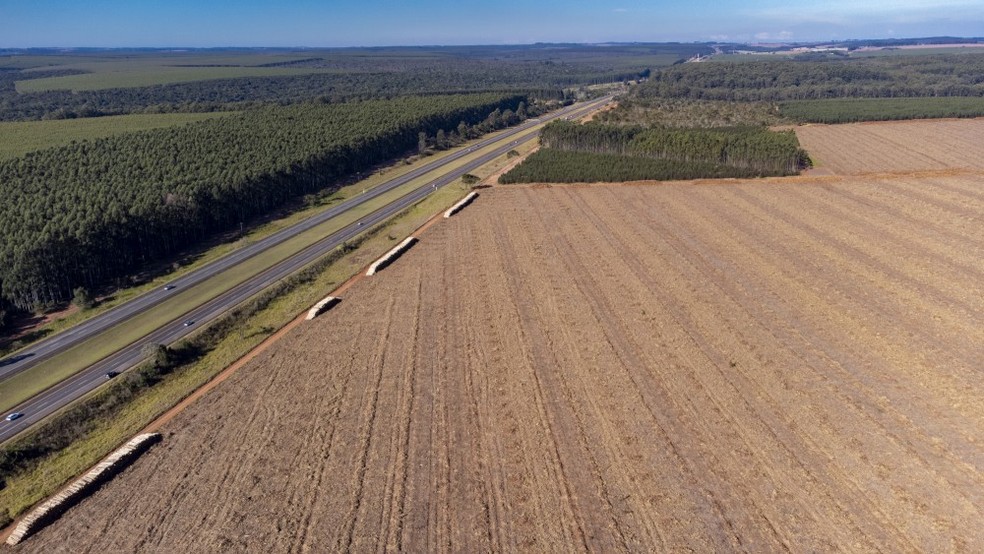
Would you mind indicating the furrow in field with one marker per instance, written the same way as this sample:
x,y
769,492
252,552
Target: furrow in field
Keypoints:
x,y
789,514
963,473
931,304
881,231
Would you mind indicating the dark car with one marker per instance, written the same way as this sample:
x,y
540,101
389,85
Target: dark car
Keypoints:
x,y
13,416
189,323
111,374
168,287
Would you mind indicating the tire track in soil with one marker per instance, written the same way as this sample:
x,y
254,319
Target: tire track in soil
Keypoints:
x,y
948,208
503,534
384,445
611,479
457,332
933,227
871,312
892,240
776,429
561,472
972,193
694,334
842,254
323,441
724,530
556,414
365,433
696,247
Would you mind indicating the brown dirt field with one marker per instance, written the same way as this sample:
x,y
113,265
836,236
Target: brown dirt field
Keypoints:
x,y
895,146
745,366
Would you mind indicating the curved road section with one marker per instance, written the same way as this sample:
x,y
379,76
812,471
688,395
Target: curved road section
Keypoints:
x,y
90,378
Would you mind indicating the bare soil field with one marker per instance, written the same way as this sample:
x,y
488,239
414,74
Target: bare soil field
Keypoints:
x,y
751,366
895,146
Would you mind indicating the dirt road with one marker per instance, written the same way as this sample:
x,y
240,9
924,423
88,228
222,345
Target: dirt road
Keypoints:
x,y
747,366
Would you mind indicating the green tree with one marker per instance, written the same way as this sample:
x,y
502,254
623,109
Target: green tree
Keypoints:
x,y
82,298
158,354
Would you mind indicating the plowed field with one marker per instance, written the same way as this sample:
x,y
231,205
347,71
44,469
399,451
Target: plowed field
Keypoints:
x,y
895,146
748,366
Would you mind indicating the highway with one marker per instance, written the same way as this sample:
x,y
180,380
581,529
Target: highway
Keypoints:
x,y
90,378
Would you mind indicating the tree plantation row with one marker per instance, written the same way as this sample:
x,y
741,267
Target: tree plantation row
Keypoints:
x,y
88,213
758,149
848,110
560,166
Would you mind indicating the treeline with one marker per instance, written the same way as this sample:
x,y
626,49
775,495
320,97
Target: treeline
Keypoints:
x,y
560,166
876,77
86,214
847,110
757,149
682,112
540,80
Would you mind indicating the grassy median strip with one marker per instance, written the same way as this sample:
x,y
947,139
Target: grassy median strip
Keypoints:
x,y
51,371
35,464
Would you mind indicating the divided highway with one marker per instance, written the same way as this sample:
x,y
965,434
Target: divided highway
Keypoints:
x,y
81,383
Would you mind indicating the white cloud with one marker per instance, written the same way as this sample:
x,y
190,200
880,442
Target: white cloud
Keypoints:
x,y
844,12
781,35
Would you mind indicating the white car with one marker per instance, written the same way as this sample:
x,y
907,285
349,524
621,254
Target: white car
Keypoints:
x,y
13,416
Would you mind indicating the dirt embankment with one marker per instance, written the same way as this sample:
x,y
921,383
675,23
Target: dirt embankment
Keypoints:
x,y
741,366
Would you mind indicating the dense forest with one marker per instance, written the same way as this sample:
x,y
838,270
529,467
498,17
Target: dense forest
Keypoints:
x,y
757,149
85,214
542,73
847,110
560,166
876,77
246,92
684,112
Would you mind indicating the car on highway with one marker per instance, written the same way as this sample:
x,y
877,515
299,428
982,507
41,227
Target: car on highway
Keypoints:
x,y
168,287
111,374
189,323
13,416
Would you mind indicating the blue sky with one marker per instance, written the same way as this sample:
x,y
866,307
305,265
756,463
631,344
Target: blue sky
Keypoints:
x,y
208,23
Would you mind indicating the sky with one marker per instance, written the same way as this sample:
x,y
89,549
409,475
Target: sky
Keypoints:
x,y
214,23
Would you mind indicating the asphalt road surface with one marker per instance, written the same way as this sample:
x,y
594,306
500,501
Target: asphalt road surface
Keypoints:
x,y
81,383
